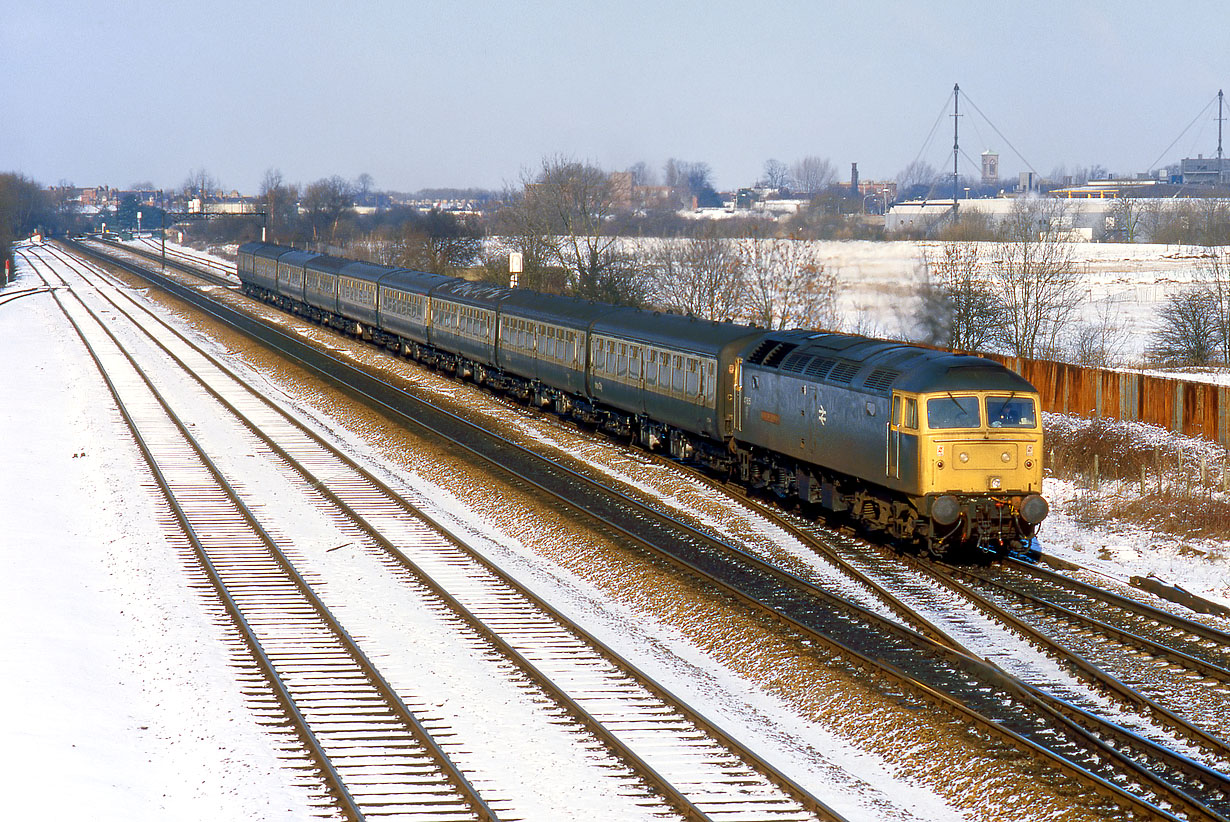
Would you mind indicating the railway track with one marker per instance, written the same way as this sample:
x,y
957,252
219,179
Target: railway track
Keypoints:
x,y
304,654
967,687
1179,667
694,765
209,270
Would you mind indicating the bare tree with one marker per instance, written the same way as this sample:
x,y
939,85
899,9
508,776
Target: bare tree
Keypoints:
x,y
959,306
1204,221
1123,219
437,242
776,174
528,232
563,216
21,200
1036,277
642,174
576,201
917,173
1101,342
787,284
701,276
1215,276
692,182
200,183
279,201
1183,336
324,202
813,175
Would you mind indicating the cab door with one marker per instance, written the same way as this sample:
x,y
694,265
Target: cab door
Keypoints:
x,y
892,444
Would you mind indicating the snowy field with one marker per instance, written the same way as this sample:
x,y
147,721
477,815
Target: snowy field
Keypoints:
x,y
85,571
1124,282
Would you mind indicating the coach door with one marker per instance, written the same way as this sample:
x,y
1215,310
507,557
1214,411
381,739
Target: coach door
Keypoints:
x,y
737,395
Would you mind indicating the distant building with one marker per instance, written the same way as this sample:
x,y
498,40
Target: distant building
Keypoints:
x,y
621,189
1201,170
990,168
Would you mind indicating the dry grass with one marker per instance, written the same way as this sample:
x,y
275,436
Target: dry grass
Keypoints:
x,y
1145,476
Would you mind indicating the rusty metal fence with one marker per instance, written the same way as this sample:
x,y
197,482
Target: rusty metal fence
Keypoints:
x,y
1195,408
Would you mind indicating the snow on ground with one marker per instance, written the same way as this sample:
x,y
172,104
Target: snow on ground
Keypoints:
x,y
1121,550
121,702
129,707
1124,282
97,616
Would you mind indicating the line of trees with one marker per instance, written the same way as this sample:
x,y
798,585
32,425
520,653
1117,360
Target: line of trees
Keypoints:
x,y
1022,292
772,282
1018,293
27,207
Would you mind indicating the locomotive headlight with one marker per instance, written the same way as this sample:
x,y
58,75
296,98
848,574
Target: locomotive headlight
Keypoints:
x,y
996,483
1029,464
1006,457
964,457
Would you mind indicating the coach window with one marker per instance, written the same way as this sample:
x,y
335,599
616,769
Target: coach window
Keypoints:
x,y
693,379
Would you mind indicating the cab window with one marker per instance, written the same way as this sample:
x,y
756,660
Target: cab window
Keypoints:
x,y
953,412
911,414
1011,412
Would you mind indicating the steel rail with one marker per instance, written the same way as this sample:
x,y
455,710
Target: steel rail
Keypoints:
x,y
333,781
452,773
1091,673
617,745
1200,629
369,387
1144,643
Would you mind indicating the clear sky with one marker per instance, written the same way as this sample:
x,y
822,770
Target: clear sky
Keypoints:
x,y
421,94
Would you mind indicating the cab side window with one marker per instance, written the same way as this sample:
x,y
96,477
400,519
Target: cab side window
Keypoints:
x,y
911,414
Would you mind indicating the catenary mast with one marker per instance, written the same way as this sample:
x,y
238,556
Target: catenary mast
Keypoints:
x,y
956,147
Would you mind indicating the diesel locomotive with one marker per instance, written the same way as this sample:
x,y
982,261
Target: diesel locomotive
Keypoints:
x,y
932,449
